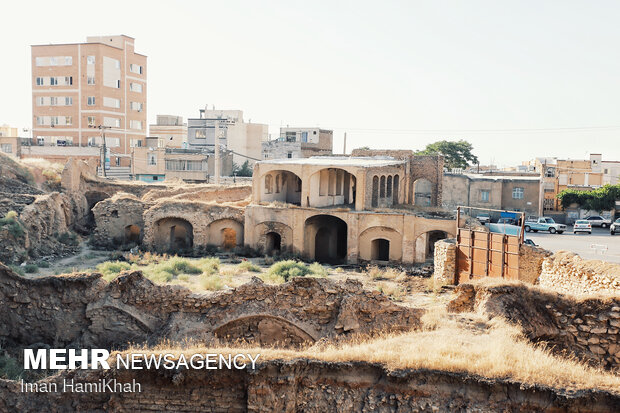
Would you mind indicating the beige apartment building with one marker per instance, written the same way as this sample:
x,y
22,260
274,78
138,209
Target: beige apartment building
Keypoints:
x,y
77,87
170,131
9,141
299,143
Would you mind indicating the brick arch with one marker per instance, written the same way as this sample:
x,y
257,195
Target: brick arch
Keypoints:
x,y
218,234
266,227
264,330
370,234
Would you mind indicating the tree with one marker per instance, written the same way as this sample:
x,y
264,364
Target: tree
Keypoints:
x,y
244,170
457,154
599,199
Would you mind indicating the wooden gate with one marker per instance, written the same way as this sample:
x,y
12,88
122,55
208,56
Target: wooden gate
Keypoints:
x,y
485,254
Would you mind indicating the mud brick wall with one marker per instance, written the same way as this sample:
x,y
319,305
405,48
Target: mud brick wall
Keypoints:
x,y
445,262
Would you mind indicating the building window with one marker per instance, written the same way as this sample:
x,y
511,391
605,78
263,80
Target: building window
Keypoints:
x,y
118,161
517,193
90,60
135,69
304,136
68,60
68,101
112,142
289,155
40,101
53,61
68,120
91,121
6,148
484,195
201,133
39,81
152,159
68,80
90,80
137,106
91,101
53,81
135,124
93,141
53,101
111,102
112,122
155,177
135,143
135,87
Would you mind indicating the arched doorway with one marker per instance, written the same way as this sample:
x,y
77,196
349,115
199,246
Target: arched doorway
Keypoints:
x,y
326,239
132,234
173,235
425,244
423,190
273,242
92,199
229,238
433,237
380,249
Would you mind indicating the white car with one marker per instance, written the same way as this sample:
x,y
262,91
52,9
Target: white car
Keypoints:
x,y
582,225
599,221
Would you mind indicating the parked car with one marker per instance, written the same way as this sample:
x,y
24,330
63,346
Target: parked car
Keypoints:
x,y
544,224
509,221
582,225
615,227
599,221
484,218
530,242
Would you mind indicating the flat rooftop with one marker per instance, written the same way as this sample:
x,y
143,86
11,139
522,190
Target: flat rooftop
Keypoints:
x,y
363,162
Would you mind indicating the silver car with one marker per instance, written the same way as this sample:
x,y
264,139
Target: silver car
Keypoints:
x,y
615,227
599,221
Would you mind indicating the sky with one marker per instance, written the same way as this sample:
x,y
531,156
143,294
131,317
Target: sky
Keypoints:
x,y
517,79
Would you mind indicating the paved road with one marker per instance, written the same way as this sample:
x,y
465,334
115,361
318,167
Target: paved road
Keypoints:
x,y
581,243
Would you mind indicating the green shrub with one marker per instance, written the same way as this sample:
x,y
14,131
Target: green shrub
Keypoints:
x,y
177,265
11,223
31,268
289,268
43,264
18,270
317,270
110,269
209,265
271,278
9,367
248,266
211,282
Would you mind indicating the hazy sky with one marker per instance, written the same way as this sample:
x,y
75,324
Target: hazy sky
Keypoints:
x,y
518,79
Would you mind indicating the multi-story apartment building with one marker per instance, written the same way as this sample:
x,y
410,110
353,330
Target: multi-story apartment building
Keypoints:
x,y
77,87
299,143
170,131
244,139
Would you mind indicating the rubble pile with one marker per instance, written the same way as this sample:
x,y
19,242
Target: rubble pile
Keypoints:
x,y
568,272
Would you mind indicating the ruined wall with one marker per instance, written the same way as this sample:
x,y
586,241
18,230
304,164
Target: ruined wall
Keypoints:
x,y
588,328
568,272
114,218
85,311
308,386
445,262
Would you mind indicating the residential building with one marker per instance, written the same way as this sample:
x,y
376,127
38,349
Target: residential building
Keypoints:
x,y
170,131
77,87
299,143
10,143
154,163
501,192
244,139
611,172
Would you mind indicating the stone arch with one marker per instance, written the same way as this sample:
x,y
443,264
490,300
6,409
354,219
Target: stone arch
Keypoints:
x,y
375,191
173,234
369,235
133,234
275,228
332,186
264,330
273,243
425,244
380,249
287,187
325,238
395,190
226,233
382,187
423,192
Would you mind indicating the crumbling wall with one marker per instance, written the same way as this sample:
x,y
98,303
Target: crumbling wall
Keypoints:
x,y
587,328
304,385
445,262
85,310
568,272
114,218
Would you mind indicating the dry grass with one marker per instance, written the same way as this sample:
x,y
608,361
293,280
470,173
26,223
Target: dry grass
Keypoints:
x,y
392,290
497,351
389,273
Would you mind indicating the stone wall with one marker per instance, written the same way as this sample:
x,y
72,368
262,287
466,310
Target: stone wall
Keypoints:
x,y
587,328
85,311
445,262
568,272
304,385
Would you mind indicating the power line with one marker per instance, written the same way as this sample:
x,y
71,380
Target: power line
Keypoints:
x,y
457,131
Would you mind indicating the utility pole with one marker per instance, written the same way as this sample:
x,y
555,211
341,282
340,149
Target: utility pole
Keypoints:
x,y
217,151
102,128
344,149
